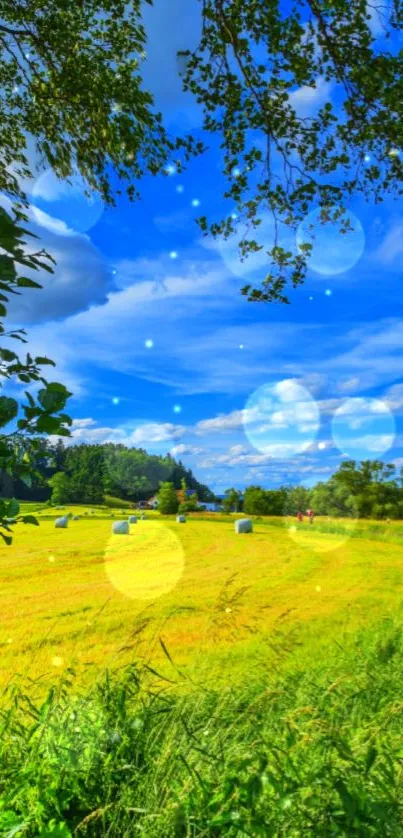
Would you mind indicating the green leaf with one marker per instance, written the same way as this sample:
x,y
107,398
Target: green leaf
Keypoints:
x,y
24,282
8,410
7,538
55,830
52,400
6,355
13,508
48,424
370,758
42,361
30,519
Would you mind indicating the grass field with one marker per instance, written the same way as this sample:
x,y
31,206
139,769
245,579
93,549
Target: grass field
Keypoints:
x,y
187,682
85,599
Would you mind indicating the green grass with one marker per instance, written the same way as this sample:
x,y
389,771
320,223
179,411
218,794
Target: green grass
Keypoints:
x,y
65,596
258,692
313,751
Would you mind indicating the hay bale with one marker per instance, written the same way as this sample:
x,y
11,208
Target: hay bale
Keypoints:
x,y
181,519
76,517
132,519
243,525
62,522
120,528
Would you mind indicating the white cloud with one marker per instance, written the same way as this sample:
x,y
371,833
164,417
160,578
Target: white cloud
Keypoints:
x,y
185,450
307,99
147,433
223,422
391,249
152,432
47,222
349,385
83,423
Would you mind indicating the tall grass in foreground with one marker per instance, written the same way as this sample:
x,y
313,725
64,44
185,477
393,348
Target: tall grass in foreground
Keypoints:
x,y
315,752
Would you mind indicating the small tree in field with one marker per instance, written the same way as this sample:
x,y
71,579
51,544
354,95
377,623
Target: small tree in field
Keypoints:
x,y
168,502
189,505
59,483
232,501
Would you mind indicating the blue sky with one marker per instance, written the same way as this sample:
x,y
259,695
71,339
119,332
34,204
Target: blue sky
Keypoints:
x,y
146,323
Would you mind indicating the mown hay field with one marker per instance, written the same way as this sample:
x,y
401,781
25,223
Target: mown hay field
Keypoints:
x,y
81,598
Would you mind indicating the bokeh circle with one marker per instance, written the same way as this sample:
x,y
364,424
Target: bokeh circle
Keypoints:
x,y
363,428
65,202
147,563
281,419
254,263
333,252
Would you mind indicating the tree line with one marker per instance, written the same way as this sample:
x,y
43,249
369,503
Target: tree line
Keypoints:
x,y
87,473
369,489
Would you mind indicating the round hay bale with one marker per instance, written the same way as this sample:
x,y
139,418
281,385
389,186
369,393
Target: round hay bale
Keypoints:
x,y
76,517
181,519
243,525
120,528
62,522
132,519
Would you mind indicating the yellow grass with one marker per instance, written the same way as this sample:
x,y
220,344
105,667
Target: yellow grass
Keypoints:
x,y
77,597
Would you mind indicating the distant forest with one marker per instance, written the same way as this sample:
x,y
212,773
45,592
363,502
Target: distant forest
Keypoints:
x,y
86,473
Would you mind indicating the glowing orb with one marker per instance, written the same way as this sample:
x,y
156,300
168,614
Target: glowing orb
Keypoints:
x,y
363,428
173,254
281,419
146,564
149,344
115,400
65,202
332,252
195,202
177,408
255,262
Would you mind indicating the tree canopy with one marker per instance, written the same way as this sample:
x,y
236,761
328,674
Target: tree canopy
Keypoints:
x,y
251,61
71,78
